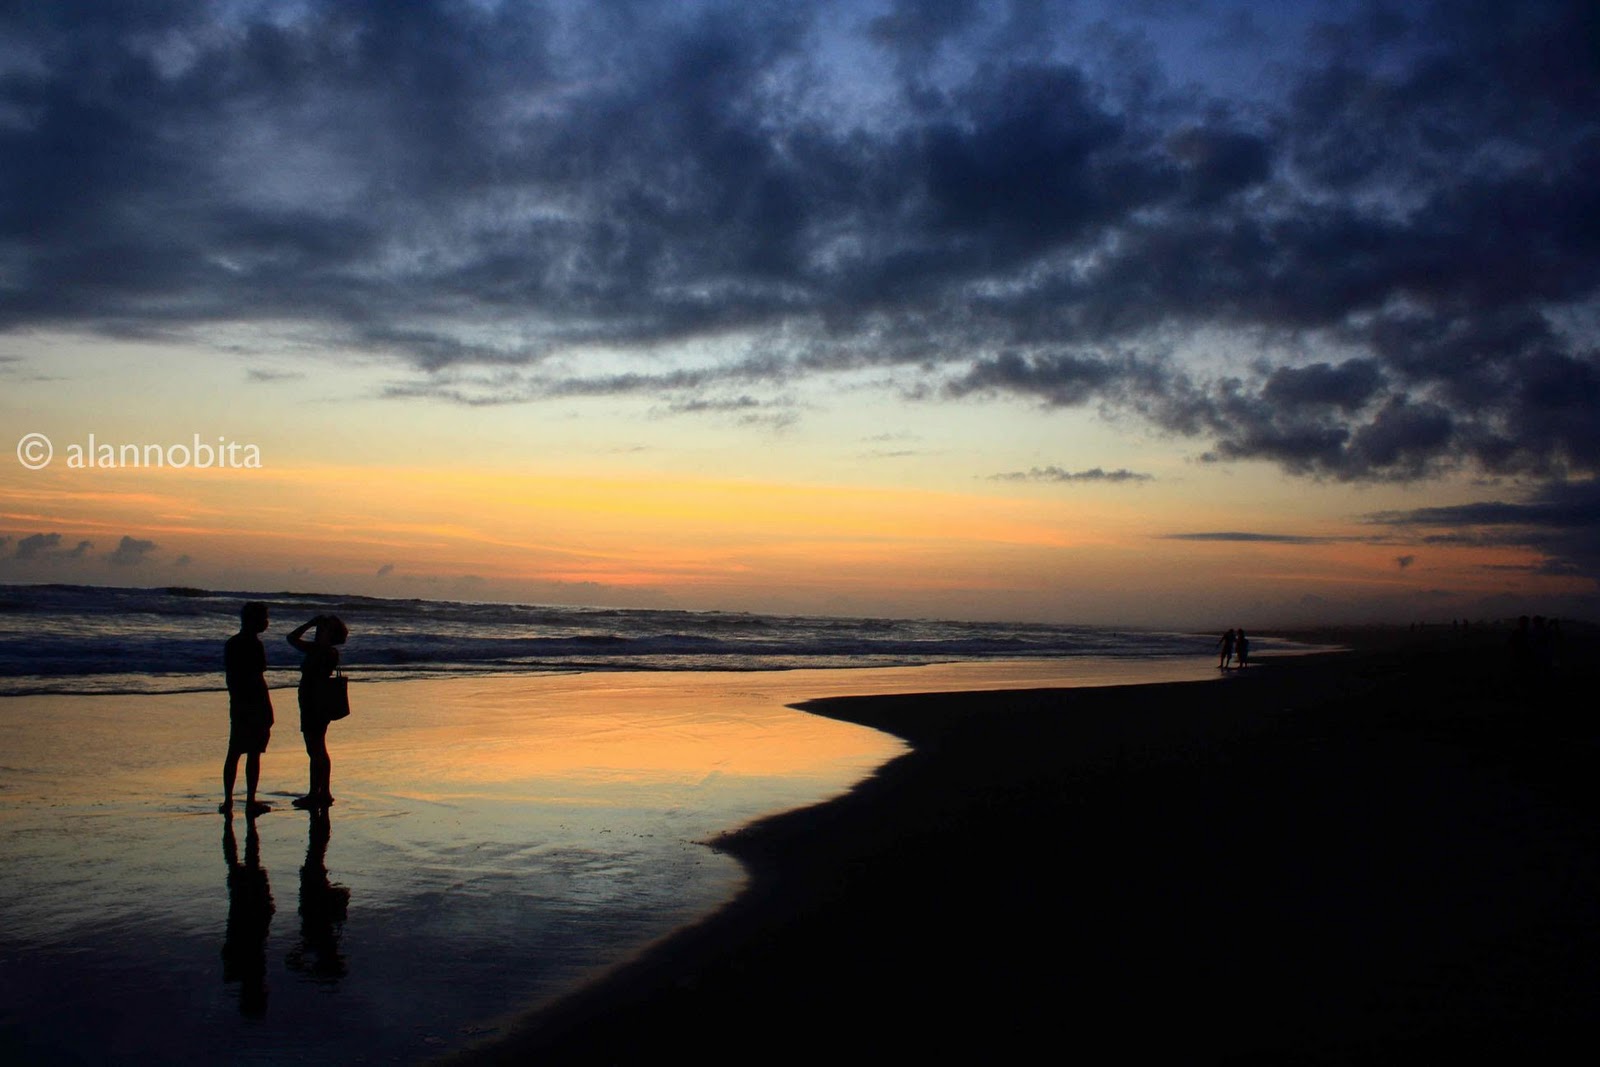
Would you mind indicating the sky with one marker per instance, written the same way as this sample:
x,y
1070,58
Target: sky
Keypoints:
x,y
1149,313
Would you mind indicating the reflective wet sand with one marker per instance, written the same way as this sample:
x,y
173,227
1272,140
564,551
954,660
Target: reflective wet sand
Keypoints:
x,y
495,841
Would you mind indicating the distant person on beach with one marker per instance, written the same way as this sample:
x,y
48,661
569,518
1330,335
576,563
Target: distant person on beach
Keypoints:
x,y
1226,645
322,657
249,707
1242,644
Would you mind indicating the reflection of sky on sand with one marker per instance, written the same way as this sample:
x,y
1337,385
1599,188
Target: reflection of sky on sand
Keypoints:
x,y
499,838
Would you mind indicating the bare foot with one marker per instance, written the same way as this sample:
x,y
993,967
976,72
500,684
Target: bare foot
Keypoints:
x,y
256,807
226,807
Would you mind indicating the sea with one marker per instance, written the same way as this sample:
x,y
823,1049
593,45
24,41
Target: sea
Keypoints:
x,y
92,639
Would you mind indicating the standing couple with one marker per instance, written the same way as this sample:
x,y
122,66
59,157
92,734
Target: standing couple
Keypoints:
x,y
250,704
1234,644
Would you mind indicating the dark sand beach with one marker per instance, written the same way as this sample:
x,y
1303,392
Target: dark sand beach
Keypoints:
x,y
1384,855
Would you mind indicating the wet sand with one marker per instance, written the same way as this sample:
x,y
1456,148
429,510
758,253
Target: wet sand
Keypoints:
x,y
1389,855
497,841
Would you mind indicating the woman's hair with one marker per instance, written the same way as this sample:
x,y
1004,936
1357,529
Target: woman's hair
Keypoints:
x,y
336,630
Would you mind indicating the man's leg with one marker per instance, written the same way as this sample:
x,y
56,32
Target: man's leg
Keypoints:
x,y
230,774
252,775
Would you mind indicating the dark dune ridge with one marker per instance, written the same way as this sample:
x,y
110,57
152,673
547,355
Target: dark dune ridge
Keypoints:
x,y
1386,855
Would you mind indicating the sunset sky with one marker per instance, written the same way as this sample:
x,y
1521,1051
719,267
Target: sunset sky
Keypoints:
x,y
1151,312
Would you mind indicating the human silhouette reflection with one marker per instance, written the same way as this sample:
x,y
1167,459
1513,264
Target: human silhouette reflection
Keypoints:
x,y
323,906
244,945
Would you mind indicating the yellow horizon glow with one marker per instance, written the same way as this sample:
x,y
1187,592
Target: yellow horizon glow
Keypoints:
x,y
708,539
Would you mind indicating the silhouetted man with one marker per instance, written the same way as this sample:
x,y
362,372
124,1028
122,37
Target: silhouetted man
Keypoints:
x,y
249,707
1226,646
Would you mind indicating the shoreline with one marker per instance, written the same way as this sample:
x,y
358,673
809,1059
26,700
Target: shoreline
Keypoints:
x,y
1359,856
281,679
520,834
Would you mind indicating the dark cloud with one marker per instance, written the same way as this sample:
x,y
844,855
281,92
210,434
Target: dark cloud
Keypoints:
x,y
1567,506
1560,521
1549,568
46,546
1403,234
130,552
728,403
1060,379
1404,562
385,570
1059,474
1220,162
1250,538
257,374
917,28
1346,387
36,546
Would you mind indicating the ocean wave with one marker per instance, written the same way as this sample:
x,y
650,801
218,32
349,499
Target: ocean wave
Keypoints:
x,y
67,638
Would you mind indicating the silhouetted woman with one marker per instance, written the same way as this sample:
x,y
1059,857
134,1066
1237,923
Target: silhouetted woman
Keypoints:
x,y
322,656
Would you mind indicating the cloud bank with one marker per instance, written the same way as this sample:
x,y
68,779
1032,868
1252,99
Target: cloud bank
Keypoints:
x,y
51,549
1374,256
1057,474
1250,537
1559,522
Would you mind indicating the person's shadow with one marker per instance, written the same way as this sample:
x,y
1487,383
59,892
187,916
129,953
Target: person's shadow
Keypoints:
x,y
323,907
244,944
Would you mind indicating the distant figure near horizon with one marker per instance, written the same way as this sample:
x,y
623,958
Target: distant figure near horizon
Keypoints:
x,y
1242,643
1226,645
250,718
322,657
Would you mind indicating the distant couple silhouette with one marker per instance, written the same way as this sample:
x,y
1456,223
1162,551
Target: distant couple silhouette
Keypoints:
x,y
250,705
1235,649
